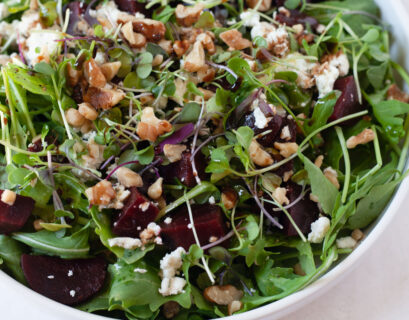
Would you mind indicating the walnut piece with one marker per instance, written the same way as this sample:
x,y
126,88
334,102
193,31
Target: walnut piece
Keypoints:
x,y
234,306
136,40
110,69
234,39
101,98
180,47
286,149
265,5
394,93
222,295
195,60
367,135
128,178
188,15
229,198
150,127
152,30
8,197
155,190
174,151
74,117
101,194
332,176
279,195
93,74
87,111
73,75
258,155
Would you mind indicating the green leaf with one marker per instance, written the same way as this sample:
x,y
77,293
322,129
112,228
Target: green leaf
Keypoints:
x,y
10,253
189,113
244,136
144,67
132,256
321,186
371,36
206,20
164,14
322,111
292,4
306,257
191,87
376,75
47,242
36,83
219,101
388,114
44,68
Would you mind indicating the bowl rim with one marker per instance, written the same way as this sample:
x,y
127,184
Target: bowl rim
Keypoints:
x,y
277,308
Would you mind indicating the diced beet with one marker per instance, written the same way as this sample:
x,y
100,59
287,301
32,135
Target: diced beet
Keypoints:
x,y
292,128
13,218
288,166
137,213
132,6
208,221
67,281
348,102
274,125
182,169
296,17
304,212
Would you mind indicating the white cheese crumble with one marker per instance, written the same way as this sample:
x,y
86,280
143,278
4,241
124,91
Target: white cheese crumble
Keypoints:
x,y
212,200
260,119
72,293
168,220
40,45
325,80
125,242
285,133
154,228
250,18
140,270
70,273
50,276
340,61
346,243
319,229
169,265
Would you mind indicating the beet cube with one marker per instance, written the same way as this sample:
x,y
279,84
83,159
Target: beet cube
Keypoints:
x,y
208,220
182,169
13,218
274,125
66,281
348,102
137,213
304,212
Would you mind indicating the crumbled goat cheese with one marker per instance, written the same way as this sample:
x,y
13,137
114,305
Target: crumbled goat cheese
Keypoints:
x,y
139,15
319,229
325,80
50,276
340,61
212,200
168,220
121,194
140,270
301,65
346,243
154,228
261,30
189,226
260,119
278,38
70,273
30,21
125,242
72,293
40,45
285,133
250,18
169,265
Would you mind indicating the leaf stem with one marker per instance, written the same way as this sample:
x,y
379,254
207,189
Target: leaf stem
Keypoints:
x,y
346,161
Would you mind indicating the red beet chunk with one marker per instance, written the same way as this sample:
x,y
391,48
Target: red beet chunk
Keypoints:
x,y
303,212
132,6
208,221
275,125
182,169
348,102
137,213
296,17
67,281
13,218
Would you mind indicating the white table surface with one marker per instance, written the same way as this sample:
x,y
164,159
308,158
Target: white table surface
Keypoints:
x,y
377,289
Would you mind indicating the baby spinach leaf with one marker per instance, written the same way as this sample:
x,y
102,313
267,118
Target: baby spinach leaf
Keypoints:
x,y
10,253
144,68
47,242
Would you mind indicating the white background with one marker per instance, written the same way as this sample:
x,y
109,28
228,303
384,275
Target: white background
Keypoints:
x,y
377,289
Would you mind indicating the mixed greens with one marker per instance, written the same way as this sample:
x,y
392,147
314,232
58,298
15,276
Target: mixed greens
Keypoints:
x,y
196,159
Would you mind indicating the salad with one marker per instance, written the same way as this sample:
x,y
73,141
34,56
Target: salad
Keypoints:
x,y
192,160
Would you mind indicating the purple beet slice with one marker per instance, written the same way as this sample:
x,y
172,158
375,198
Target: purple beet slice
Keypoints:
x,y
304,212
182,169
348,102
132,6
208,221
67,281
296,17
137,213
13,218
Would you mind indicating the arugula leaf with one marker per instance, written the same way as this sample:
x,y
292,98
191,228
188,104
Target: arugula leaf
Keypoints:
x,y
36,83
322,111
10,253
47,242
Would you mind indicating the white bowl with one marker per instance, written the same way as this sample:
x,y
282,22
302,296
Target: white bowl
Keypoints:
x,y
19,302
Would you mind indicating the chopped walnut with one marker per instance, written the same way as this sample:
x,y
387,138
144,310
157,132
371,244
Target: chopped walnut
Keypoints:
x,y
87,126
222,295
157,60
166,45
394,93
207,94
74,117
146,100
367,135
93,74
258,155
279,195
206,74
285,133
101,194
37,224
287,175
332,176
357,234
8,197
265,5
188,15
229,198
150,127
207,42
155,190
73,75
174,151
101,98
181,88
234,39
110,69
152,231
287,148
136,40
170,309
87,111
180,47
195,60
318,161
128,178
234,306
152,30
